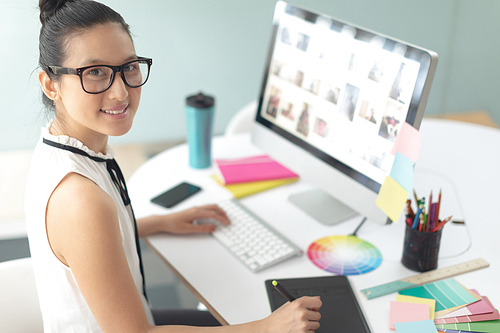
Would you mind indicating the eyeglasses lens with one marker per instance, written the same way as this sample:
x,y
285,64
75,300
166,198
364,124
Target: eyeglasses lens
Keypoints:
x,y
136,73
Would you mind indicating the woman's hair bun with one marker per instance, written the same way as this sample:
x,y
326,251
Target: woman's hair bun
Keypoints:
x,y
49,7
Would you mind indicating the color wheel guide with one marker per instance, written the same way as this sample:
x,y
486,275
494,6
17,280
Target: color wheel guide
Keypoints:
x,y
344,255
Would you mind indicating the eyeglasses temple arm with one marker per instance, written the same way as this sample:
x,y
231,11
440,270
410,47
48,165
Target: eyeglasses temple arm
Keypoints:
x,y
63,70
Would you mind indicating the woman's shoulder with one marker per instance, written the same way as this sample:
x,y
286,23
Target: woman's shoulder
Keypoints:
x,y
79,214
78,206
77,195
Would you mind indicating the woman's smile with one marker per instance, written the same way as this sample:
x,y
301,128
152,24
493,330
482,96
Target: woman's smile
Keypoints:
x,y
116,109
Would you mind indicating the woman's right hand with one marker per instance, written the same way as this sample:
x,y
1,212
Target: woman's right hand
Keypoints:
x,y
301,315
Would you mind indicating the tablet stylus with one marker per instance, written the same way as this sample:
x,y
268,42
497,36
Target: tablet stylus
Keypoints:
x,y
283,291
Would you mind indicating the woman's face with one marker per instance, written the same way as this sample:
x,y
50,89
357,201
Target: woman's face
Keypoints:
x,y
91,116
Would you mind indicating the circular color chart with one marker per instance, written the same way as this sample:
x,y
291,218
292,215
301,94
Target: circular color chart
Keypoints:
x,y
344,255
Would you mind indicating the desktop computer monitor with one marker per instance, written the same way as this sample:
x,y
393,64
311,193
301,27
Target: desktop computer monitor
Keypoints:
x,y
333,98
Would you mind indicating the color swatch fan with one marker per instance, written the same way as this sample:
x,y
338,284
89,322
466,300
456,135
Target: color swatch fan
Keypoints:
x,y
344,255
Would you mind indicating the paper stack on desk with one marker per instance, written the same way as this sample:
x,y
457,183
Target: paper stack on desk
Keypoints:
x,y
447,305
249,175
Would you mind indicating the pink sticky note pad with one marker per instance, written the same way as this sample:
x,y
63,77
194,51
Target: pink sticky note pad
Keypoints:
x,y
402,312
407,142
252,169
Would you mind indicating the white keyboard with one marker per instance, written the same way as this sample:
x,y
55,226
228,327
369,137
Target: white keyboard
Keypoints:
x,y
256,244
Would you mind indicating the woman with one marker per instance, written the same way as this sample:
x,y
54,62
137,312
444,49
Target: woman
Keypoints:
x,y
82,231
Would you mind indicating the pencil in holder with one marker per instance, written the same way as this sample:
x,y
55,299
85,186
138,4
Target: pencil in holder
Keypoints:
x,y
421,249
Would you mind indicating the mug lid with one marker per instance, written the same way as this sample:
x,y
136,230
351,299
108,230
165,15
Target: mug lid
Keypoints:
x,y
200,101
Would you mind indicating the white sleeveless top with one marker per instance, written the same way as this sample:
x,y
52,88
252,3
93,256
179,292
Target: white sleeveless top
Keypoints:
x,y
62,304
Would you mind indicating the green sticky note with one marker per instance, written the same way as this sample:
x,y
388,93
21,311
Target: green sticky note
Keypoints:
x,y
391,198
421,326
402,171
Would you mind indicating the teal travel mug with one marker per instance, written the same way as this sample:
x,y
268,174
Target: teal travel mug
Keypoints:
x,y
200,115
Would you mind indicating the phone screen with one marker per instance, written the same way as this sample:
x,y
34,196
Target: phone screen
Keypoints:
x,y
176,194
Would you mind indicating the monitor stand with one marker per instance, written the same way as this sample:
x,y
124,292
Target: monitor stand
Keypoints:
x,y
322,207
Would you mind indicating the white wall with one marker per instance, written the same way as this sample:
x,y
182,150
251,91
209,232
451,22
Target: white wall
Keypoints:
x,y
220,46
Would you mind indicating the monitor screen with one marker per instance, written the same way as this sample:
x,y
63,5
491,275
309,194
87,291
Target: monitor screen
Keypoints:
x,y
341,93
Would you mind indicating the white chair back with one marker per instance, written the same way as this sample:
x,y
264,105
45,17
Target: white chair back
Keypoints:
x,y
19,307
242,121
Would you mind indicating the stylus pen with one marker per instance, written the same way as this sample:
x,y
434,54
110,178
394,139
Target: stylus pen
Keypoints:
x,y
283,291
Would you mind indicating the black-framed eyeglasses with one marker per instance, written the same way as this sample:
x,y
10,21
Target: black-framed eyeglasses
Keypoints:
x,y
97,79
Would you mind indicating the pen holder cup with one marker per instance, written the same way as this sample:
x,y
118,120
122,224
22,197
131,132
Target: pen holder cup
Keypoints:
x,y
421,249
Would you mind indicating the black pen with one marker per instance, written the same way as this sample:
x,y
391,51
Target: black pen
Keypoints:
x,y
283,291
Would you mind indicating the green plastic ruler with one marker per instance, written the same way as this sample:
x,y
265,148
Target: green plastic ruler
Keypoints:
x,y
427,277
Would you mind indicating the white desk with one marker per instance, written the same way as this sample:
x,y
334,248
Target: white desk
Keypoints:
x,y
460,158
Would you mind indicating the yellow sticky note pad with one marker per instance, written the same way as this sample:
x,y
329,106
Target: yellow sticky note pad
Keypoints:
x,y
241,190
412,299
391,198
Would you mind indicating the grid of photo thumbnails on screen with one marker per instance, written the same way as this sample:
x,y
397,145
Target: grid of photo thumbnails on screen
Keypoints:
x,y
342,95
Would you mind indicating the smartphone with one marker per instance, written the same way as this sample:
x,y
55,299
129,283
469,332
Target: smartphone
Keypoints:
x,y
176,194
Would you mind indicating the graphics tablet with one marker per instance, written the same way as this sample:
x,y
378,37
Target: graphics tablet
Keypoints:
x,y
340,312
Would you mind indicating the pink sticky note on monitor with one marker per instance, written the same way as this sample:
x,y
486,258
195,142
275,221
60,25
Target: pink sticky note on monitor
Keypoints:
x,y
407,142
402,312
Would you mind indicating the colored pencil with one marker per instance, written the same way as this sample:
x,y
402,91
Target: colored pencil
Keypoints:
x,y
436,217
417,217
441,224
422,216
429,215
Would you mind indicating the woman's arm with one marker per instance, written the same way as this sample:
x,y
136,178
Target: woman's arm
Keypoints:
x,y
83,231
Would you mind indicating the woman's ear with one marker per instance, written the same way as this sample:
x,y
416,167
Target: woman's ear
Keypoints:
x,y
49,87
